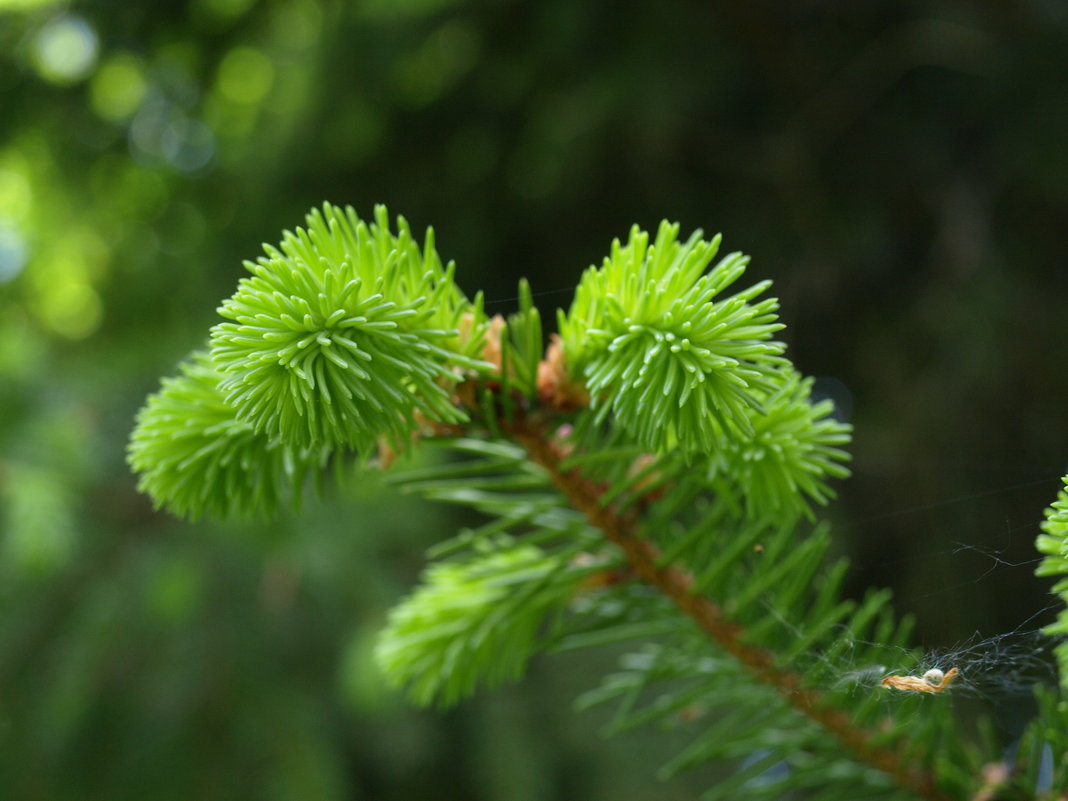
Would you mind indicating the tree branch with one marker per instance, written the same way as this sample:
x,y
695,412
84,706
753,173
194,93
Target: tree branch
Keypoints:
x,y
677,584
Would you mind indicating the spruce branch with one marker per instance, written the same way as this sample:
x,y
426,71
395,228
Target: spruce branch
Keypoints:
x,y
643,478
677,585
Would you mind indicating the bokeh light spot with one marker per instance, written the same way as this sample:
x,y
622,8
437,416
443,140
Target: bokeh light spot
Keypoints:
x,y
187,144
118,88
162,132
61,291
64,50
71,308
245,75
147,129
13,253
16,195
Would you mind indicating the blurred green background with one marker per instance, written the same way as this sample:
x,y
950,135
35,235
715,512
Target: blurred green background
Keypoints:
x,y
900,169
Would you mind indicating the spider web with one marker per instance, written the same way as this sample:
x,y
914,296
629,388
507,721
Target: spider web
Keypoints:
x,y
994,668
1000,667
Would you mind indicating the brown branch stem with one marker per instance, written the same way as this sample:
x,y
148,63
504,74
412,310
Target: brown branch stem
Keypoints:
x,y
677,584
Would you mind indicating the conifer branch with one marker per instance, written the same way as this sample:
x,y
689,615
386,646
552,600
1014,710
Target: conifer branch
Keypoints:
x,y
678,585
663,435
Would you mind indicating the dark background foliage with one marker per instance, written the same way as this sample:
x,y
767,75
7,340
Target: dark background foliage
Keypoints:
x,y
899,169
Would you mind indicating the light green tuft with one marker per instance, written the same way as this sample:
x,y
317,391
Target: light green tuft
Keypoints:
x,y
345,333
658,345
196,458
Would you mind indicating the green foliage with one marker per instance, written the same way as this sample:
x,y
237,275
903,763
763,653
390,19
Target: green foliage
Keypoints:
x,y
345,334
780,591
643,482
795,446
197,458
1053,542
472,623
483,612
658,348
521,348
